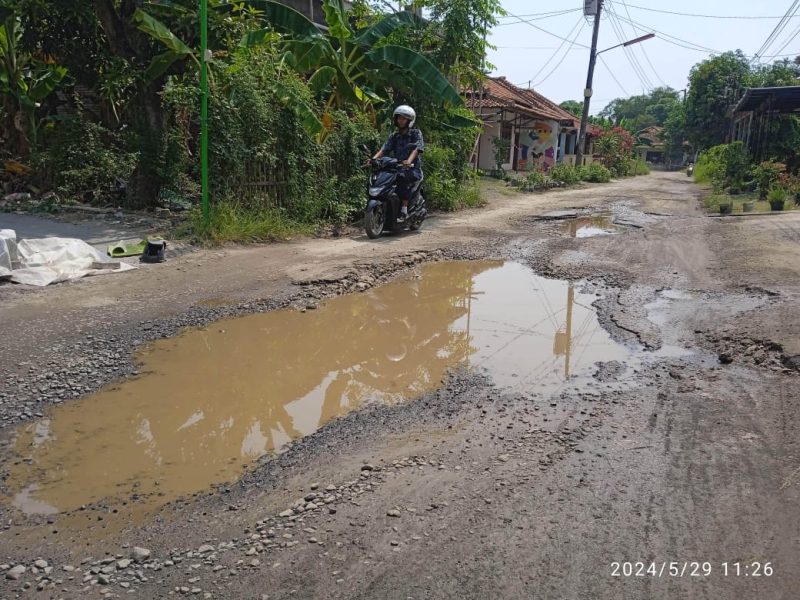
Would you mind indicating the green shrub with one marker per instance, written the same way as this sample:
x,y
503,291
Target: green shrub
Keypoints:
x,y
85,161
567,174
595,173
777,194
724,166
638,167
766,174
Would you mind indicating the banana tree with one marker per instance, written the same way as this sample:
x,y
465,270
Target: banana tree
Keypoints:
x,y
177,50
351,66
24,83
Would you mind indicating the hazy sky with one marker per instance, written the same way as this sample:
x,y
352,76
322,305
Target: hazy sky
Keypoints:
x,y
523,50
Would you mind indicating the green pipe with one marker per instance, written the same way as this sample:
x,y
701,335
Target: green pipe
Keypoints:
x,y
204,107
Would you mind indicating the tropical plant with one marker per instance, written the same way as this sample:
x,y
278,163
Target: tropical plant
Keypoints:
x,y
725,166
615,146
458,31
766,174
351,67
501,147
24,83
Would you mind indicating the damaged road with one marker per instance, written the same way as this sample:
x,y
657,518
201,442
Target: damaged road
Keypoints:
x,y
505,405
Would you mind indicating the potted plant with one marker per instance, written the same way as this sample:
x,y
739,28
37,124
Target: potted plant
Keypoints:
x,y
777,198
748,206
725,208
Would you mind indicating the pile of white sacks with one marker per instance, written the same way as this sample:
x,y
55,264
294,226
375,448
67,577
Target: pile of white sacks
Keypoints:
x,y
43,261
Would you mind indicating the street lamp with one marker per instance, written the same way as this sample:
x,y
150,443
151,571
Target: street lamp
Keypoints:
x,y
587,92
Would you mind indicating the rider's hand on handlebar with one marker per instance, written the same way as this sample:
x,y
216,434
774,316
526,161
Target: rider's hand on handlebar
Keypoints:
x,y
368,162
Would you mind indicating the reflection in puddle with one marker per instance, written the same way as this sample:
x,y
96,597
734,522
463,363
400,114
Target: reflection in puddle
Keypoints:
x,y
211,401
591,226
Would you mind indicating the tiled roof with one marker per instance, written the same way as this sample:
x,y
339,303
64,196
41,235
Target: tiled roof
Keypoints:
x,y
499,93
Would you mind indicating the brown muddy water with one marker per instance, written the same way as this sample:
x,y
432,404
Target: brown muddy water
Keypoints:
x,y
209,402
591,226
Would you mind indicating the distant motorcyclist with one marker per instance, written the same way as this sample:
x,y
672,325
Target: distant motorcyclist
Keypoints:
x,y
405,145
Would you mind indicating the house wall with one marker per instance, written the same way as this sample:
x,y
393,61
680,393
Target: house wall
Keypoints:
x,y
486,147
538,146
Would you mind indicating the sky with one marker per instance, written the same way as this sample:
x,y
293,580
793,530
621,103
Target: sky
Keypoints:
x,y
523,51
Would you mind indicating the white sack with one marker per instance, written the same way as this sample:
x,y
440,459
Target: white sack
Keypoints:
x,y
50,260
8,251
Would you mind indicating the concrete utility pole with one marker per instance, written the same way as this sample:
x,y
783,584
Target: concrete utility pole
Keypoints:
x,y
587,93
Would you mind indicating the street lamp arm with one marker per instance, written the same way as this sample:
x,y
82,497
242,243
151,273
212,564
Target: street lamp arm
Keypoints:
x,y
629,42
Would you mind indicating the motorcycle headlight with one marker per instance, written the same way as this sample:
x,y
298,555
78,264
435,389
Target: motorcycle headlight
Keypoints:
x,y
375,191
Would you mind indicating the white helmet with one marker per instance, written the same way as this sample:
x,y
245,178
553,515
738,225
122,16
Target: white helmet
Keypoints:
x,y
405,111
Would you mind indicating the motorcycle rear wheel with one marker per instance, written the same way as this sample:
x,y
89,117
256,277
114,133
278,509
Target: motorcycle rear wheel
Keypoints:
x,y
375,221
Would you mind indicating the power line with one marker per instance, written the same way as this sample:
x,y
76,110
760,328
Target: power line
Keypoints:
x,y
637,68
789,41
668,38
554,69
532,48
681,14
552,13
614,77
552,56
543,30
643,49
777,30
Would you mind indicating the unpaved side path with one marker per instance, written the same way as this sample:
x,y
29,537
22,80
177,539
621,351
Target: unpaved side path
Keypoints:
x,y
468,492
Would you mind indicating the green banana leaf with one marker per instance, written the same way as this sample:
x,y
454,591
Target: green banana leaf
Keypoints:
x,y
306,55
46,83
336,17
322,78
308,117
160,64
285,19
157,30
425,72
257,37
383,28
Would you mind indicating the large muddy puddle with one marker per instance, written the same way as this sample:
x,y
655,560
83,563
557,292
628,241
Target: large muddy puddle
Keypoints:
x,y
210,402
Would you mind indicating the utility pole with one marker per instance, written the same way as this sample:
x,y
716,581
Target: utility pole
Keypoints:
x,y
587,93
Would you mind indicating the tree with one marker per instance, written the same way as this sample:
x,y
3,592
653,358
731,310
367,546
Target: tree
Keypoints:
x,y
460,29
352,67
640,112
714,87
24,83
573,107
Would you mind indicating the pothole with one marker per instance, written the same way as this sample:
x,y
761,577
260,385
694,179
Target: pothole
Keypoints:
x,y
211,401
590,226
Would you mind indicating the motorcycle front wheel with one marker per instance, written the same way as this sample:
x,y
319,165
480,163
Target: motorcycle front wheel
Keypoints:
x,y
375,220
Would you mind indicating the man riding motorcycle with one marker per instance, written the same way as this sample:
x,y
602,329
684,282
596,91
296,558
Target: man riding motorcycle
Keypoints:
x,y
405,145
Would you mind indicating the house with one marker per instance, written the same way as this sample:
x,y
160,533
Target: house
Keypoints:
x,y
538,131
651,145
311,9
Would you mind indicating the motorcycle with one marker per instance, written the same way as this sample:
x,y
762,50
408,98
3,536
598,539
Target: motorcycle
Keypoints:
x,y
383,205
690,170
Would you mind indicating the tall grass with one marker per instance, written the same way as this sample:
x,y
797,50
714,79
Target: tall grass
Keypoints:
x,y
231,222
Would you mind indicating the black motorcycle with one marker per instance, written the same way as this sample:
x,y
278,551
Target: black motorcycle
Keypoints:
x,y
383,206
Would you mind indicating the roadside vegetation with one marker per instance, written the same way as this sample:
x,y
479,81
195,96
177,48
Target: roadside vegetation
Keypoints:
x,y
613,159
103,106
